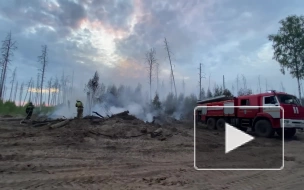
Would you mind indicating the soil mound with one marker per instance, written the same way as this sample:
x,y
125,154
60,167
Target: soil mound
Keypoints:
x,y
120,126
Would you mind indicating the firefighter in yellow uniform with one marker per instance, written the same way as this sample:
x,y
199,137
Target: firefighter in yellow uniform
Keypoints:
x,y
79,106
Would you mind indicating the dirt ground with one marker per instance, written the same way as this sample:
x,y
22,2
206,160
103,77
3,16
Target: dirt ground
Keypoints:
x,y
117,154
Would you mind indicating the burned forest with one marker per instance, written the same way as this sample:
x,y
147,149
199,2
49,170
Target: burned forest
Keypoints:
x,y
151,95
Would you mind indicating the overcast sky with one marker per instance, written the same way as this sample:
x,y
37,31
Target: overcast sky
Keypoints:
x,y
111,36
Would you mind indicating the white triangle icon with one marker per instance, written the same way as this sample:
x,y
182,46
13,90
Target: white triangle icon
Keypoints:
x,y
235,138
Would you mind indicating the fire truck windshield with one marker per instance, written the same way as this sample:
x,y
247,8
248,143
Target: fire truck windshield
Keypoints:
x,y
288,99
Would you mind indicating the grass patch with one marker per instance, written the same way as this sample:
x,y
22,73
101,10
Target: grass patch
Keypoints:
x,y
10,108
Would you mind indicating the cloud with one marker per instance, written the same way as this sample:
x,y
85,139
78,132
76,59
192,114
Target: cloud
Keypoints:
x,y
112,36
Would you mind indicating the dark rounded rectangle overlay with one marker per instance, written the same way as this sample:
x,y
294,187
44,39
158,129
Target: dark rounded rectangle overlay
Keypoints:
x,y
258,154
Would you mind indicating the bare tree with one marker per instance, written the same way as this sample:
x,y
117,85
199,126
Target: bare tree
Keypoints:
x,y
4,91
55,92
15,95
91,89
8,46
58,100
32,90
12,82
36,89
169,56
171,82
157,75
64,87
29,86
21,93
151,60
49,88
42,59
201,76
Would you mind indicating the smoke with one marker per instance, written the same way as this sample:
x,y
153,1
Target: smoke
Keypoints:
x,y
66,110
63,111
134,109
109,100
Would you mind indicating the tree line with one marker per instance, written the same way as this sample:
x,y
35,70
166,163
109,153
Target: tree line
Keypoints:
x,y
287,43
41,92
123,96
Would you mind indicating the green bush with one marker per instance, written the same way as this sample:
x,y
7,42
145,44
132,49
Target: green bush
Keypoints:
x,y
10,108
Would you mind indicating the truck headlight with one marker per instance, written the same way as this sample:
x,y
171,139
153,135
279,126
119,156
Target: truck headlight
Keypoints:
x,y
286,121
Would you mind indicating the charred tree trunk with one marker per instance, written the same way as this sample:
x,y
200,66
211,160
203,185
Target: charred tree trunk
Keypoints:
x,y
21,94
49,88
37,89
28,90
31,92
150,58
12,86
58,102
169,56
43,60
16,90
7,48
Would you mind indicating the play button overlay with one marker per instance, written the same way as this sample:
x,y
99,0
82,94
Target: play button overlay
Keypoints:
x,y
235,138
230,147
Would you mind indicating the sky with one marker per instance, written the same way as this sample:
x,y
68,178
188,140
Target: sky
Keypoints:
x,y
229,37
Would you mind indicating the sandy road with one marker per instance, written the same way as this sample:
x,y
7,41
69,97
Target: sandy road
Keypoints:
x,y
35,159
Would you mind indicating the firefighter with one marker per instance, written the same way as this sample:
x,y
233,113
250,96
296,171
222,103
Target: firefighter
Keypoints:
x,y
29,110
79,107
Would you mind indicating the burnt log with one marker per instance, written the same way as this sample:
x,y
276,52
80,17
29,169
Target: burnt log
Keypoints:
x,y
121,114
98,114
60,124
124,115
40,124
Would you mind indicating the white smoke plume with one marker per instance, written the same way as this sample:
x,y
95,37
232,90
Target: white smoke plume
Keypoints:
x,y
109,100
115,100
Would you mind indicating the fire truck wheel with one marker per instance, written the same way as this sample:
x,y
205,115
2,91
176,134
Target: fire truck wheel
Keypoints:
x,y
211,123
288,133
263,128
220,124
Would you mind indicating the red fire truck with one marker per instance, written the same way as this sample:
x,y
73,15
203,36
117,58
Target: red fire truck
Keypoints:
x,y
265,122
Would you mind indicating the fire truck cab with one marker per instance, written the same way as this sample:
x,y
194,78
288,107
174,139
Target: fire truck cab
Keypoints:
x,y
265,122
